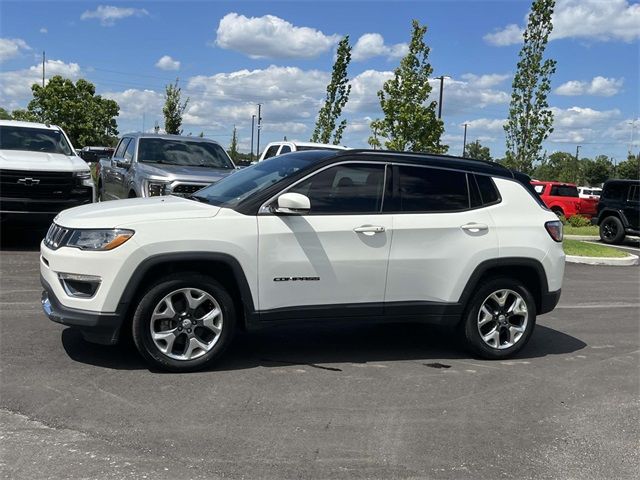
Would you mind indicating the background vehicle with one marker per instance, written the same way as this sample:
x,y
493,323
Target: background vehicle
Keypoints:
x,y
563,199
148,165
592,193
278,148
307,236
619,210
95,154
40,173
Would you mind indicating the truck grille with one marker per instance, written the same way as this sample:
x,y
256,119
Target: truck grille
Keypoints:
x,y
56,236
30,184
186,189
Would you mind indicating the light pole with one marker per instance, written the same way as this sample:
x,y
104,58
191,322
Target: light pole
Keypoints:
x,y
259,127
441,77
253,121
464,141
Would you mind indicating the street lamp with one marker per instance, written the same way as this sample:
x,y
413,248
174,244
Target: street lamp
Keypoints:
x,y
441,78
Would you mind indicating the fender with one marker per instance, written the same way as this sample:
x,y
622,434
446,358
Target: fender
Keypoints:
x,y
619,213
169,258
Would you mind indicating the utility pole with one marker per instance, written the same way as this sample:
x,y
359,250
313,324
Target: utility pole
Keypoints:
x,y
577,151
43,69
253,121
577,171
441,77
464,142
633,126
259,127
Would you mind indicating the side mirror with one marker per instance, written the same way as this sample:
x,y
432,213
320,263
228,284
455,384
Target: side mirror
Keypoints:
x,y
293,204
121,162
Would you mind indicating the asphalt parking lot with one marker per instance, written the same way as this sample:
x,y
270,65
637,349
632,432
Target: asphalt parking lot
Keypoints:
x,y
382,401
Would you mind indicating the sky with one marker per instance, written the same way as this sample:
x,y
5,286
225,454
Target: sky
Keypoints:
x,y
230,56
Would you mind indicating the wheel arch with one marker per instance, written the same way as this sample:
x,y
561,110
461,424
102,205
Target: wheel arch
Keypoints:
x,y
612,212
222,267
528,270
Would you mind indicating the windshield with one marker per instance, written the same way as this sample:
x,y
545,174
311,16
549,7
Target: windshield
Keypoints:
x,y
183,152
34,140
232,190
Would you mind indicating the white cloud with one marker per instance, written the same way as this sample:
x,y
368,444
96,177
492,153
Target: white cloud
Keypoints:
x,y
271,37
108,14
485,81
600,86
135,103
509,35
579,124
44,30
11,47
587,19
372,45
15,85
167,63
485,125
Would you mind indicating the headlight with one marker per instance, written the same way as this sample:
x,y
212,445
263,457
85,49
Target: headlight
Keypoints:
x,y
98,239
156,189
83,178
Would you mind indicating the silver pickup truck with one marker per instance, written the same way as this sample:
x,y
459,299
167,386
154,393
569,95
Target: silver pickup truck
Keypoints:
x,y
149,165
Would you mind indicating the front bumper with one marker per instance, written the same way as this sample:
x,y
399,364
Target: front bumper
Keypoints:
x,y
95,327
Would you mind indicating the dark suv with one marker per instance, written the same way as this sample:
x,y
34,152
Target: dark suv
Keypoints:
x,y
619,210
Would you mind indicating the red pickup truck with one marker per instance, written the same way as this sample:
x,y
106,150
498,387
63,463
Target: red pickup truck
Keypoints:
x,y
564,200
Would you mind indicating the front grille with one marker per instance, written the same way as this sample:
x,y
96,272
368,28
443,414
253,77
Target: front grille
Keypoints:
x,y
30,184
56,236
186,189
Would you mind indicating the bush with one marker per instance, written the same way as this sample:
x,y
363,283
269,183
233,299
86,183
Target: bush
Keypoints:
x,y
563,219
579,221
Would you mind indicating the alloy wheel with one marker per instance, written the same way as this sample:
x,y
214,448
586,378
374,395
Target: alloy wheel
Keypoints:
x,y
502,319
609,229
186,324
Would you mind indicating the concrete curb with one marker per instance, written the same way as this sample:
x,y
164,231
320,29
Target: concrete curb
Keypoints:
x,y
615,261
583,237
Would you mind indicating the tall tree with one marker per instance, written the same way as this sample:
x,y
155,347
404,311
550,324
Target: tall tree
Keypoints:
x,y
173,108
596,171
338,92
87,118
630,168
4,114
479,152
410,121
530,119
233,148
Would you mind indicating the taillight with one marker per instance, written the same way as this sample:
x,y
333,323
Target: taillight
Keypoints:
x,y
554,228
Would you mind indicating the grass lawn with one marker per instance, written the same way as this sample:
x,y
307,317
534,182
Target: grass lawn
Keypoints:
x,y
584,249
588,230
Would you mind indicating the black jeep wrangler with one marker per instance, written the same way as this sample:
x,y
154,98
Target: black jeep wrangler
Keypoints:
x,y
619,210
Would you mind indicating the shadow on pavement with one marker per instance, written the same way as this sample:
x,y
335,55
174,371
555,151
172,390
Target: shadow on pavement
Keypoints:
x,y
22,237
326,347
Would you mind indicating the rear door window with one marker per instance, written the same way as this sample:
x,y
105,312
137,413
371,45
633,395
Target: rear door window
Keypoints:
x,y
423,190
271,151
284,149
564,191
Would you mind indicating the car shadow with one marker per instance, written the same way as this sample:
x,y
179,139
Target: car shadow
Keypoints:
x,y
326,347
22,237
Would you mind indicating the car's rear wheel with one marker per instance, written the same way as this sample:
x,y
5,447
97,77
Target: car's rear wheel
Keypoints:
x,y
611,230
499,319
184,322
558,211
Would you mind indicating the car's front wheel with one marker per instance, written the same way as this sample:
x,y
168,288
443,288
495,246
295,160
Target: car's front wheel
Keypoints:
x,y
499,319
611,230
184,322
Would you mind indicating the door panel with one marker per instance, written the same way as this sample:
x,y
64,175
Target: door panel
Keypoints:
x,y
321,260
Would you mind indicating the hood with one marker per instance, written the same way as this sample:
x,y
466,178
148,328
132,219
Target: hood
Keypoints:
x,y
185,173
125,213
40,161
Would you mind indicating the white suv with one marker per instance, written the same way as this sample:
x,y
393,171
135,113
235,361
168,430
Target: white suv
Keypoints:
x,y
314,235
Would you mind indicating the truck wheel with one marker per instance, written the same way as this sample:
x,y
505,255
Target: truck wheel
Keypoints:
x,y
184,322
611,230
499,319
558,211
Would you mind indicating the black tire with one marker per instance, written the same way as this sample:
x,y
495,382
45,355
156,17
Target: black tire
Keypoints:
x,y
141,327
471,331
558,211
100,194
611,230
132,194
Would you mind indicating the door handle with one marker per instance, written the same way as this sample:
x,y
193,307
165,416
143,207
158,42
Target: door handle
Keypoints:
x,y
369,229
475,227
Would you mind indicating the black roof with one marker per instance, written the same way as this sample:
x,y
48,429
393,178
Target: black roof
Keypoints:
x,y
621,180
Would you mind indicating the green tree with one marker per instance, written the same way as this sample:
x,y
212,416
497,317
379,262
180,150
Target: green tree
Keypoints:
x,y
87,118
338,92
630,168
477,151
410,121
173,108
4,115
596,171
233,148
530,120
